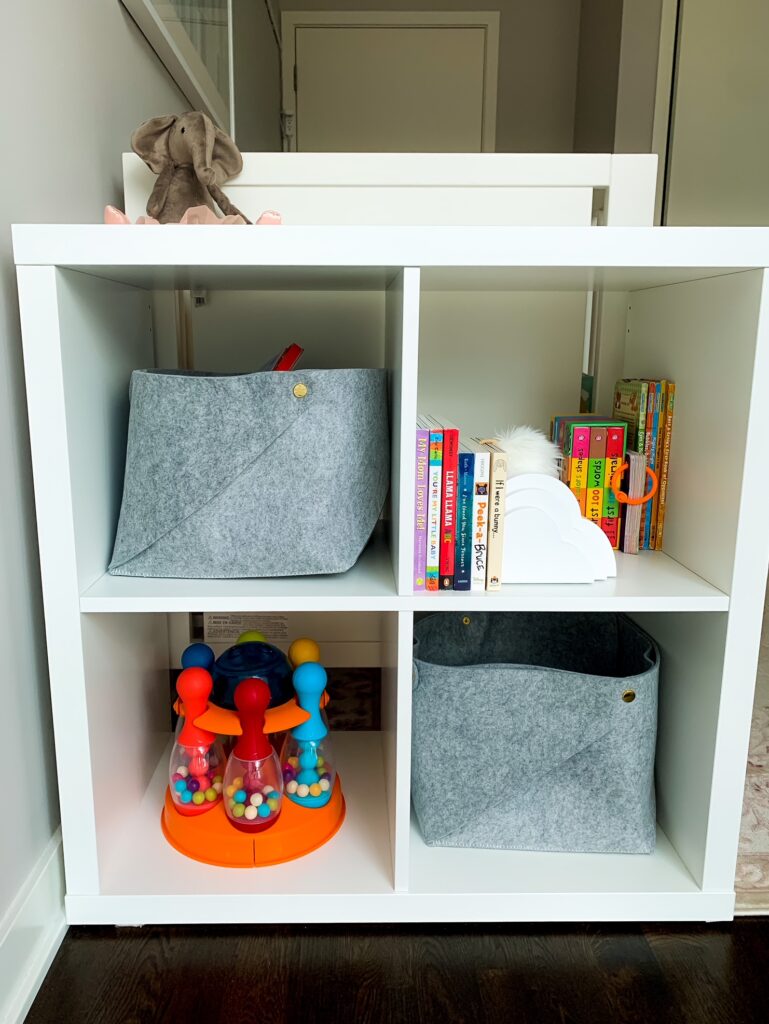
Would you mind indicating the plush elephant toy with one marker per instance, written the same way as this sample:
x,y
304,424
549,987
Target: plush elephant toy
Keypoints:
x,y
192,159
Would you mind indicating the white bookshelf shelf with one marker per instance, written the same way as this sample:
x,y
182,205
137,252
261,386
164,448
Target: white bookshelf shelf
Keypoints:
x,y
427,304
649,582
368,586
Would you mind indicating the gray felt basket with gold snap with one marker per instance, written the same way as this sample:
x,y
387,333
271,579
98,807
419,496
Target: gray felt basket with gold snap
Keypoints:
x,y
535,731
248,475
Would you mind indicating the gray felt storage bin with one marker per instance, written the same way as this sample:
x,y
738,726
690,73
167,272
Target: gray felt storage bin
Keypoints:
x,y
259,474
535,731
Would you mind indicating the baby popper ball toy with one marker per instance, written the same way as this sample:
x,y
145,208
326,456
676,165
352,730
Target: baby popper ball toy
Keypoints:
x,y
197,759
307,760
253,785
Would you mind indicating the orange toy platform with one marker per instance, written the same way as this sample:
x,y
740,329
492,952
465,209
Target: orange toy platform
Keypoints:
x,y
211,838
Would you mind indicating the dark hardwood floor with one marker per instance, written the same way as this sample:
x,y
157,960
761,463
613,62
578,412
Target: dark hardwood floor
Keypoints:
x,y
498,974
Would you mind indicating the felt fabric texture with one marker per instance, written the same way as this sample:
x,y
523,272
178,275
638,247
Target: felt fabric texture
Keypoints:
x,y
521,738
192,159
236,476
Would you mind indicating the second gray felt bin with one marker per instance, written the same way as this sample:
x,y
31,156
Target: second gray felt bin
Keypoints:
x,y
535,731
249,475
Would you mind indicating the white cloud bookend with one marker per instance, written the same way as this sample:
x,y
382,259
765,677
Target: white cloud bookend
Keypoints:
x,y
546,539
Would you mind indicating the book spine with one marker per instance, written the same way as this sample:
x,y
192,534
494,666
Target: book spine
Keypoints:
x,y
432,568
420,508
643,399
654,402
665,465
642,537
464,547
480,521
448,507
497,495
655,502
595,474
580,453
615,451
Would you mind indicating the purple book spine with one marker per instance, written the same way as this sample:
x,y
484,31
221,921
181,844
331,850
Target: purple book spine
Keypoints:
x,y
420,508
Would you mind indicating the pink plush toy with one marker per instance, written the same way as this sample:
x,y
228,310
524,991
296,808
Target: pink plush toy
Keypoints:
x,y
195,215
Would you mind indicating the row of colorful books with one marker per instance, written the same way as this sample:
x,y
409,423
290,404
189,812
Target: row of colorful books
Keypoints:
x,y
594,448
459,509
648,409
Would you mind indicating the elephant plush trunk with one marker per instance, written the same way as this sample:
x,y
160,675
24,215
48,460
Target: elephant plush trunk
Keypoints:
x,y
203,153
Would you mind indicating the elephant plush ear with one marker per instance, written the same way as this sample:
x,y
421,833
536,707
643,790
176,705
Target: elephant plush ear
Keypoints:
x,y
150,141
226,159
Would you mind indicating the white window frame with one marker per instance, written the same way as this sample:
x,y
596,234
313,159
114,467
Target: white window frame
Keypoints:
x,y
488,20
182,61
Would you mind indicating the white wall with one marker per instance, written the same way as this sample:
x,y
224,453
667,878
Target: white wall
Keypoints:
x,y
76,78
537,64
719,156
256,70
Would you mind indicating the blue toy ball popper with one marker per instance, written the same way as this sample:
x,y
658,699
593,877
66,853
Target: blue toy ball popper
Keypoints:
x,y
307,760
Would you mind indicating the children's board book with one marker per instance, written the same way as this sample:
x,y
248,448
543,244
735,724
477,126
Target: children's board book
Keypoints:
x,y
665,463
630,406
435,466
448,527
497,496
464,538
480,514
420,507
634,486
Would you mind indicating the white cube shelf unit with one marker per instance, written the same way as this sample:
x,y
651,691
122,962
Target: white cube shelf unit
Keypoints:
x,y
480,321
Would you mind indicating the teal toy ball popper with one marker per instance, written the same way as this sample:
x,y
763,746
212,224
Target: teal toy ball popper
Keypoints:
x,y
307,759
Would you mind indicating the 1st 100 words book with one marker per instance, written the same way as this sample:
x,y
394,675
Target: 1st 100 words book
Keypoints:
x,y
435,465
420,508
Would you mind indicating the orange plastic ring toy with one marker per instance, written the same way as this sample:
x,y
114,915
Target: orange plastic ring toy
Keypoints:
x,y
622,498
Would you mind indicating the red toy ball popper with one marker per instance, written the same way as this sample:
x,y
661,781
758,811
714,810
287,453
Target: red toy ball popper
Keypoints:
x,y
253,784
197,759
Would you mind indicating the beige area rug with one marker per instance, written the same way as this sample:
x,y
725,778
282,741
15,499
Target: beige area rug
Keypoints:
x,y
752,880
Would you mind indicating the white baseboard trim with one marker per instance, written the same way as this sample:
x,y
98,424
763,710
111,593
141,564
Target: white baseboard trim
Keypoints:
x,y
31,931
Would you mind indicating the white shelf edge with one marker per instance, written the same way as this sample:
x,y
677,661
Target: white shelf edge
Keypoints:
x,y
97,245
380,908
650,582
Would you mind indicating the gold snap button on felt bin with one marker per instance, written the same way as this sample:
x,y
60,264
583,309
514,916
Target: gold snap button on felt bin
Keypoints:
x,y
300,390
466,620
628,696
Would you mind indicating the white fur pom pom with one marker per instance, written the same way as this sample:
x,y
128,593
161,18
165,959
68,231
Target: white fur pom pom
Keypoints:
x,y
529,451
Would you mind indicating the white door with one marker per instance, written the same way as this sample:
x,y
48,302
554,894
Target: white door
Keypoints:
x,y
400,82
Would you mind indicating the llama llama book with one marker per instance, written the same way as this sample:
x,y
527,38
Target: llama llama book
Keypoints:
x,y
420,507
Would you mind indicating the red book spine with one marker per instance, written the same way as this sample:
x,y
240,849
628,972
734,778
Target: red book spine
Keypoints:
x,y
449,508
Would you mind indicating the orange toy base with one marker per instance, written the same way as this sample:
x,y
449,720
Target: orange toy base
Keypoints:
x,y
211,838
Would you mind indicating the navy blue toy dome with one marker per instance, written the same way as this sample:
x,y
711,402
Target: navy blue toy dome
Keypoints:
x,y
249,660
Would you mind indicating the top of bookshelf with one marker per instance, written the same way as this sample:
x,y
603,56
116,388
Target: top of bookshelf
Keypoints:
x,y
485,258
